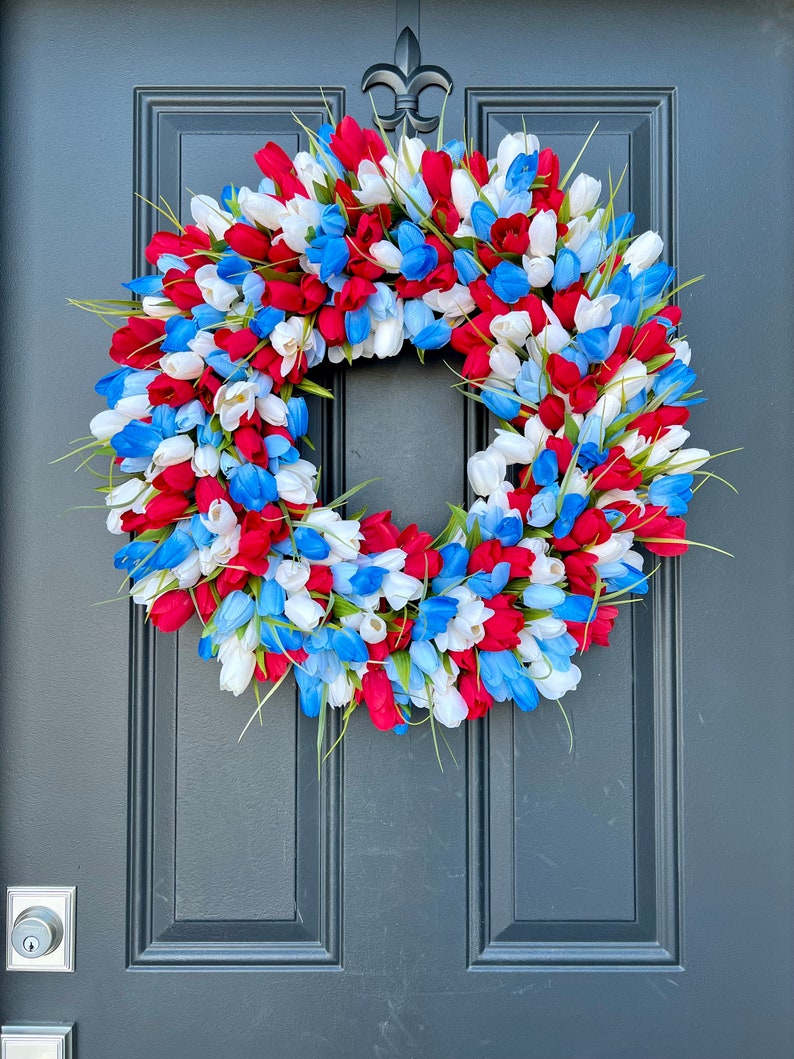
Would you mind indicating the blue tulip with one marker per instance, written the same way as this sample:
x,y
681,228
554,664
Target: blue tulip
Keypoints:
x,y
466,266
270,599
206,316
144,285
509,282
357,325
310,543
332,223
524,692
136,440
620,228
571,508
672,491
310,688
178,332
531,383
418,202
543,597
488,585
424,656
199,532
419,261
297,417
190,415
174,550
503,403
137,558
434,616
253,487
482,220
233,269
522,172
235,610
206,648
265,320
349,645
543,507
416,316
575,608
433,337
367,579
545,468
280,638
567,269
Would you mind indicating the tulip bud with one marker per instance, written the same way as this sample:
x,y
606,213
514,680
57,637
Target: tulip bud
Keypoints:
x,y
583,194
642,253
486,471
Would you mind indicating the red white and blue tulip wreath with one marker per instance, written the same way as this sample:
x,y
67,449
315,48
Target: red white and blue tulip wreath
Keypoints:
x,y
562,325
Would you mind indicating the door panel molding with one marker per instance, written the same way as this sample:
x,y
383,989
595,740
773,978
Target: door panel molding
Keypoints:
x,y
167,124
643,121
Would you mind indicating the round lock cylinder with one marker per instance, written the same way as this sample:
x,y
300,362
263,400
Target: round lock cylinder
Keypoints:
x,y
36,932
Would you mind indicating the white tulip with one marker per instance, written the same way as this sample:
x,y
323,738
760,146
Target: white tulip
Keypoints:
x,y
456,303
399,588
304,612
387,255
514,447
135,407
642,253
155,305
682,350
373,189
123,497
628,381
595,313
392,559
182,365
105,424
215,291
146,590
272,409
172,451
309,172
513,327
288,339
261,209
464,192
373,628
545,571
219,518
553,683
237,667
539,269
449,707
688,460
505,365
292,574
410,151
486,471
467,627
543,234
583,194
528,647
295,482
188,571
387,337
548,628
340,691
235,400
210,216
206,461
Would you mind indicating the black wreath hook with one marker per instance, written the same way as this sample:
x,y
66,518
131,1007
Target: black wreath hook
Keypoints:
x,y
407,78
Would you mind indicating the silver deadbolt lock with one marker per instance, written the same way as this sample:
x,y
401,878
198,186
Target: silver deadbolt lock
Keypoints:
x,y
40,928
37,931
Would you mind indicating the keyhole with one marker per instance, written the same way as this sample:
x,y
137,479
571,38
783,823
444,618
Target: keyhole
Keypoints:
x,y
30,944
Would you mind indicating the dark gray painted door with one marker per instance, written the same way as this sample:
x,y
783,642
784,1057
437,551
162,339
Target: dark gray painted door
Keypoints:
x,y
631,898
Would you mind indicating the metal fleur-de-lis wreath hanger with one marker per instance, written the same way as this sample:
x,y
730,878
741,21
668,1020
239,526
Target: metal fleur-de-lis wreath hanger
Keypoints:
x,y
407,78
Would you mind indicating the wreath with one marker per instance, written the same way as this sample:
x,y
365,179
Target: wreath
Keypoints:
x,y
564,331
